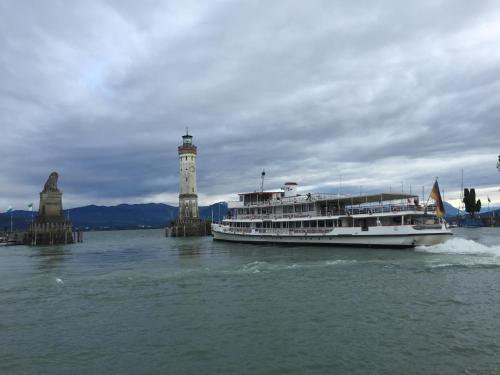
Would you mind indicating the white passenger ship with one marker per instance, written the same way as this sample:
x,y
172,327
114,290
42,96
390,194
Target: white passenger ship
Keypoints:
x,y
374,220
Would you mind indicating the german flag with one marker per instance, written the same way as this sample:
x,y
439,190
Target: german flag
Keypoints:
x,y
436,195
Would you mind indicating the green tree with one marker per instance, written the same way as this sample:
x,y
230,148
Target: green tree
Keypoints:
x,y
471,205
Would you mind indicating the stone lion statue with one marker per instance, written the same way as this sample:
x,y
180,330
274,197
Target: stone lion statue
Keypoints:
x,y
51,184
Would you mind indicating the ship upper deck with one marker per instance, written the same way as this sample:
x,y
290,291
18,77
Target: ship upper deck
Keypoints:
x,y
276,198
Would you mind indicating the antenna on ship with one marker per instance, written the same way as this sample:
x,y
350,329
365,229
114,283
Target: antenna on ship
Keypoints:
x,y
262,176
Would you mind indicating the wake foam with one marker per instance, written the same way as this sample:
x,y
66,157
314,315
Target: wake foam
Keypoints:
x,y
339,262
255,267
259,266
461,246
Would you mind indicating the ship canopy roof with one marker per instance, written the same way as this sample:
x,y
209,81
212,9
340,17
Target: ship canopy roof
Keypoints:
x,y
266,192
318,197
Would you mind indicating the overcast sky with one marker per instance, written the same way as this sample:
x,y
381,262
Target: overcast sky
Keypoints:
x,y
380,93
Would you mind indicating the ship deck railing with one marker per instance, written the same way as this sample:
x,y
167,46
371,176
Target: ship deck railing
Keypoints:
x,y
349,211
278,231
392,208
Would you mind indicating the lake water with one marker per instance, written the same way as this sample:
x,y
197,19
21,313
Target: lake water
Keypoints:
x,y
136,302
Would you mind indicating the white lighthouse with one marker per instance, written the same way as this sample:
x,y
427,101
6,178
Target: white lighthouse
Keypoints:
x,y
188,195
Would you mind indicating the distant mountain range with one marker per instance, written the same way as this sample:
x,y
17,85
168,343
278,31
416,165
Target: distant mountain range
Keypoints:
x,y
149,215
450,210
123,216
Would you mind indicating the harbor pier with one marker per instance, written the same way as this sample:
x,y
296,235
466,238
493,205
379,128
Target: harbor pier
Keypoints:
x,y
188,228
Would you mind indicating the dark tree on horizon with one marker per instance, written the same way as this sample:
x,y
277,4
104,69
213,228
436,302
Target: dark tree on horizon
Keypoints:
x,y
498,163
471,205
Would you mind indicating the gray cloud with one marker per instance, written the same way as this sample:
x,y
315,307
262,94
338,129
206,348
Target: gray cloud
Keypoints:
x,y
102,91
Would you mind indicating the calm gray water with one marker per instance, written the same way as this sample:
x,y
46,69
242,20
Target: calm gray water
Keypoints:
x,y
136,302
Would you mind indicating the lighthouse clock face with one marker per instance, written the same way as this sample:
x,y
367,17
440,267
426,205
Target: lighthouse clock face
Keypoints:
x,y
191,169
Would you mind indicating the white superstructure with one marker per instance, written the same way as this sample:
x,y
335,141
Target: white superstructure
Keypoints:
x,y
285,216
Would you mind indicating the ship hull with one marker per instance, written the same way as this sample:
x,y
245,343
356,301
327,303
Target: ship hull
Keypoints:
x,y
400,240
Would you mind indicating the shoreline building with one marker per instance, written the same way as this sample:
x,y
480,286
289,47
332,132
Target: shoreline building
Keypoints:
x,y
188,222
50,226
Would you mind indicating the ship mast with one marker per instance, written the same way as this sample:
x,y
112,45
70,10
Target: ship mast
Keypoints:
x,y
461,194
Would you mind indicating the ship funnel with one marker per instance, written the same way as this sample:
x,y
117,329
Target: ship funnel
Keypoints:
x,y
290,189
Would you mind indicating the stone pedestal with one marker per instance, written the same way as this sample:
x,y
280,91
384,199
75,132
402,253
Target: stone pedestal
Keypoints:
x,y
51,204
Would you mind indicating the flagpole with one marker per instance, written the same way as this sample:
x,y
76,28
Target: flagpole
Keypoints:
x,y
489,208
32,229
